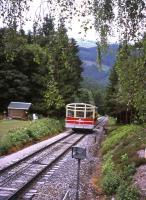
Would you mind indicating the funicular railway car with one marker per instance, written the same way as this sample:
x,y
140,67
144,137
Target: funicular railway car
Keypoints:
x,y
81,116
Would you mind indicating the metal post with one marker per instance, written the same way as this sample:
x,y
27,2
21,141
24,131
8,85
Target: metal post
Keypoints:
x,y
78,180
79,153
95,138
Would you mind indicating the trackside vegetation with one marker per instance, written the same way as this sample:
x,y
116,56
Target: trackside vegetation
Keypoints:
x,y
6,125
17,138
120,159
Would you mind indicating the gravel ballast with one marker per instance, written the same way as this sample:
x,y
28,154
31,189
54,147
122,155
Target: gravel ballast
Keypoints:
x,y
63,177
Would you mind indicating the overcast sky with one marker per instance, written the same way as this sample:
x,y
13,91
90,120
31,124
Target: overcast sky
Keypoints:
x,y
38,10
76,31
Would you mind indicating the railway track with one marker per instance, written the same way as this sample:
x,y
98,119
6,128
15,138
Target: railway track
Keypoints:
x,y
101,121
47,144
16,177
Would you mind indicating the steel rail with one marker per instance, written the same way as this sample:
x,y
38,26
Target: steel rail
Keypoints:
x,y
32,154
27,164
66,195
100,122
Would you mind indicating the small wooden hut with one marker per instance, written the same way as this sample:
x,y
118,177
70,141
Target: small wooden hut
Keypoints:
x,y
18,110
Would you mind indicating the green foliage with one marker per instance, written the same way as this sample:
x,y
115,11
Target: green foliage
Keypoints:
x,y
22,75
127,168
110,183
131,85
128,171
18,137
64,74
112,125
110,180
85,95
6,125
52,96
113,180
120,160
127,192
125,96
111,94
126,92
42,68
128,21
131,144
91,92
117,136
108,166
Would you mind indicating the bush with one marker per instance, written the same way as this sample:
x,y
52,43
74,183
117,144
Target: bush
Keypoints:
x,y
108,166
127,168
111,180
128,171
110,183
126,192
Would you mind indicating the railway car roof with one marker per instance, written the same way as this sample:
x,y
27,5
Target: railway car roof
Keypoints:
x,y
80,105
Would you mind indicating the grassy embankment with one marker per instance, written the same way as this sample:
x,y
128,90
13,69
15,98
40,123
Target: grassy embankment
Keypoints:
x,y
120,159
6,125
15,134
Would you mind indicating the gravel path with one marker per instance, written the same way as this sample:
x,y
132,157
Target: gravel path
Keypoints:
x,y
63,177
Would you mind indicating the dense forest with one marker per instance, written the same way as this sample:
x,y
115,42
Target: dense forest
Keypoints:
x,y
43,66
126,92
40,67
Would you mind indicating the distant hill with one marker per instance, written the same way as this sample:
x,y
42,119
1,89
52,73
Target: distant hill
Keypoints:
x,y
91,69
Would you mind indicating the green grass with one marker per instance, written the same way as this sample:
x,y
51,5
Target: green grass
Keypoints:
x,y
131,143
119,135
17,137
7,125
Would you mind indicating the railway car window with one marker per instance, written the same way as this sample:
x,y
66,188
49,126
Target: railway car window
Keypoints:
x,y
80,114
89,114
70,113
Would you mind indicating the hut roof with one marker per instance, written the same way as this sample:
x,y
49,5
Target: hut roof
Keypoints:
x,y
19,105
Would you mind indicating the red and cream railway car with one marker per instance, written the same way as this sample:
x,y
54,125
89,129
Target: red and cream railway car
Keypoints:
x,y
81,116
